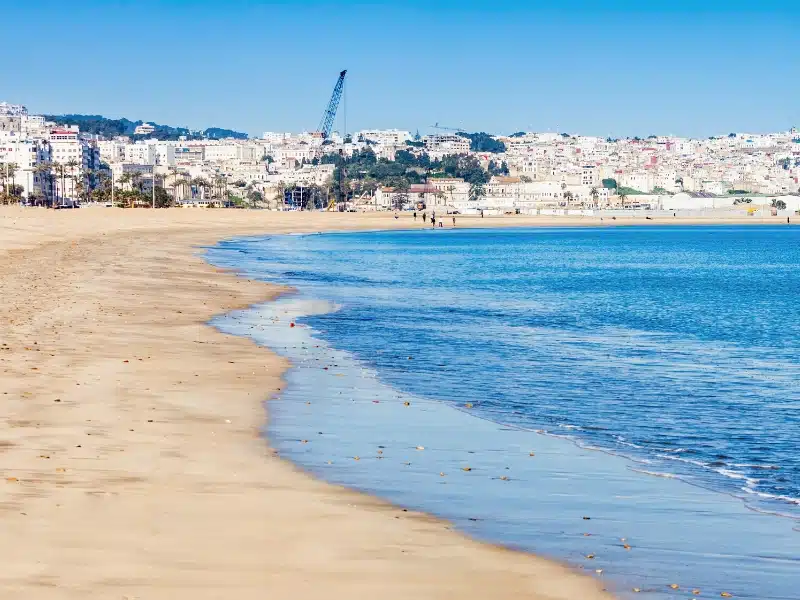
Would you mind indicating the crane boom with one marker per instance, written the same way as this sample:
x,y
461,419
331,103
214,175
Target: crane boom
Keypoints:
x,y
326,123
456,129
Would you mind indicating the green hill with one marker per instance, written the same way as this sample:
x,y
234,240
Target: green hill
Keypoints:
x,y
109,128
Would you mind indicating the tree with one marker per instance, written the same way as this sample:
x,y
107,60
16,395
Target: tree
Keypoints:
x,y
623,196
477,190
609,184
200,186
163,199
595,194
72,164
136,181
101,192
525,179
60,173
44,172
254,197
483,142
400,197
7,175
779,204
220,187
451,189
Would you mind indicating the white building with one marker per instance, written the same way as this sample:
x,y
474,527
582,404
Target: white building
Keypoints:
x,y
140,154
144,129
26,155
446,144
384,137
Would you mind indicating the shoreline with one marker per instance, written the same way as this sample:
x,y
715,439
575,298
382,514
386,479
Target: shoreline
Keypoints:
x,y
357,434
132,425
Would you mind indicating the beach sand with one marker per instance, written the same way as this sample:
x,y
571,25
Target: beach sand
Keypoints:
x,y
130,449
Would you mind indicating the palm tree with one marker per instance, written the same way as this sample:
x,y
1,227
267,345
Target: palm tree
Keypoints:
x,y
124,180
7,176
71,164
101,189
622,197
451,188
679,180
221,187
61,174
44,170
281,199
11,173
201,185
176,174
595,194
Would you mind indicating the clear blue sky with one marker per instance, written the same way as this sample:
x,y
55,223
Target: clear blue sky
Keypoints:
x,y
604,68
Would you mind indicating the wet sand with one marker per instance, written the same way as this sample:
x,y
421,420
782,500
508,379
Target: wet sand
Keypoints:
x,y
131,457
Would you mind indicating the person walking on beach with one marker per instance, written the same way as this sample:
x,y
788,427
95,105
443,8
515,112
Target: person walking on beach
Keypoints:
x,y
433,221
415,215
441,223
424,217
454,221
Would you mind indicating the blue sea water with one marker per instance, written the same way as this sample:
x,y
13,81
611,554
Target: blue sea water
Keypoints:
x,y
676,349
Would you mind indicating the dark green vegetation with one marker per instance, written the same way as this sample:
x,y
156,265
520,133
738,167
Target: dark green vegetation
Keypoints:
x,y
364,171
628,191
109,128
610,184
483,142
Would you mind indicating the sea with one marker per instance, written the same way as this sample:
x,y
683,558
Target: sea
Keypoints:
x,y
622,399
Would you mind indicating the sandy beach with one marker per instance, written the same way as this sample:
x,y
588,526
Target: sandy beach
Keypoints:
x,y
131,454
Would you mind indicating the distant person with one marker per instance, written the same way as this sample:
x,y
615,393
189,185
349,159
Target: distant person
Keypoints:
x,y
481,213
396,216
674,215
424,217
441,223
454,221
787,220
415,215
433,215
433,221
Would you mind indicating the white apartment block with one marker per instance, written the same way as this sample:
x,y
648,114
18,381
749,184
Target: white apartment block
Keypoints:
x,y
384,137
26,154
446,144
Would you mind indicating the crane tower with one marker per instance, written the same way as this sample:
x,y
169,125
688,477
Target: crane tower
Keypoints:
x,y
326,122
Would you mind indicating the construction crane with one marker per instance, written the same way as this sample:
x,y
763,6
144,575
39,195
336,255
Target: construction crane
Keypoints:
x,y
442,127
326,122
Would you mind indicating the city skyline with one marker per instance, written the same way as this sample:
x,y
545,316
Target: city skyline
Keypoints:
x,y
610,71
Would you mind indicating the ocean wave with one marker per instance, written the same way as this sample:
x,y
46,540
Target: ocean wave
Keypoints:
x,y
657,473
768,496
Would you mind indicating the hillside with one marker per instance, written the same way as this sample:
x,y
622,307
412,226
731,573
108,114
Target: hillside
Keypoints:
x,y
109,128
